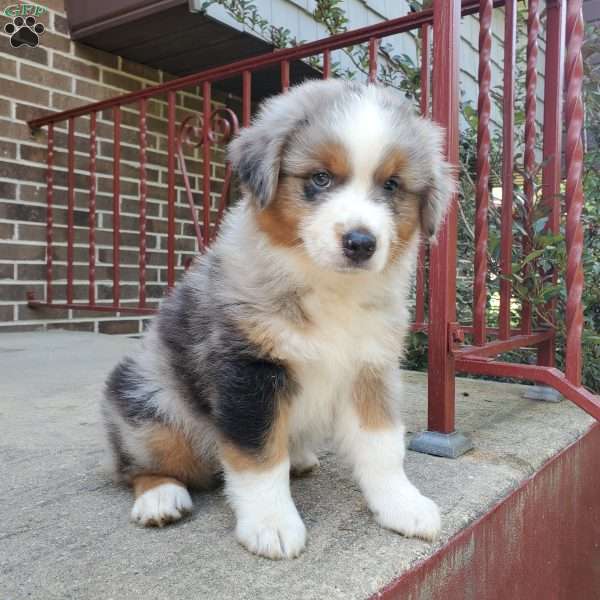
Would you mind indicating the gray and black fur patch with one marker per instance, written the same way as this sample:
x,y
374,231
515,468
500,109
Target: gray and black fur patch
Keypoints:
x,y
128,392
122,459
225,377
249,390
182,328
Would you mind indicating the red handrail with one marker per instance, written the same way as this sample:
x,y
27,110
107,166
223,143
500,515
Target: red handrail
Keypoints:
x,y
448,351
334,42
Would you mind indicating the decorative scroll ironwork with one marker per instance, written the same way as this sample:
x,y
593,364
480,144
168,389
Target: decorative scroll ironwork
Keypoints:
x,y
223,127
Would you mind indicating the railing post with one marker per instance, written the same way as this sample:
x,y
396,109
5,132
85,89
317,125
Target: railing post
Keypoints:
x,y
373,49
143,202
533,29
50,214
441,439
574,191
551,171
424,109
70,209
92,214
551,175
171,190
484,110
206,137
116,206
508,160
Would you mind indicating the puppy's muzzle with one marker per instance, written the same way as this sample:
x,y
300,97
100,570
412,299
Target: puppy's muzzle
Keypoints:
x,y
359,245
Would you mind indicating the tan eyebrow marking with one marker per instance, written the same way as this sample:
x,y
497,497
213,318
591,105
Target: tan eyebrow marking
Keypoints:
x,y
333,157
393,164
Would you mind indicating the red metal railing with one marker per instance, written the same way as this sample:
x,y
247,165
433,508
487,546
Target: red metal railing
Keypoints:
x,y
152,114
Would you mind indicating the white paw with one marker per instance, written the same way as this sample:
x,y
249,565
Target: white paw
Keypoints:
x,y
279,535
161,505
304,462
410,513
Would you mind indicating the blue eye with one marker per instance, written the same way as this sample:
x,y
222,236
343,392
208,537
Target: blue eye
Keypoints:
x,y
391,185
321,179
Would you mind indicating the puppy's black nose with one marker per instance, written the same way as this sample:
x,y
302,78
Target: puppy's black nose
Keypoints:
x,y
359,245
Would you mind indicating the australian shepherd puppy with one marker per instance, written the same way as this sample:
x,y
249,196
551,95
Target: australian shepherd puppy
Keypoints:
x,y
289,329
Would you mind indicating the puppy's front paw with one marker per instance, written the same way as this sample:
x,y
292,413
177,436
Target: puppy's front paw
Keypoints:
x,y
410,513
161,505
278,535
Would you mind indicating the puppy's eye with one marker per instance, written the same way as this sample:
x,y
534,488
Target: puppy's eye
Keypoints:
x,y
322,179
391,185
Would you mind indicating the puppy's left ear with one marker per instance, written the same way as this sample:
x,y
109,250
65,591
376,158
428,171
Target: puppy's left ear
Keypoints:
x,y
256,157
256,153
435,198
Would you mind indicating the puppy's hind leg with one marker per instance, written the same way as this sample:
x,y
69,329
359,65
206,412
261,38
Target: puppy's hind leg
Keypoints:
x,y
159,500
158,459
303,459
160,493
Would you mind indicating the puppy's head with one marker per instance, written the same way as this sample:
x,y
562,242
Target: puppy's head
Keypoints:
x,y
344,172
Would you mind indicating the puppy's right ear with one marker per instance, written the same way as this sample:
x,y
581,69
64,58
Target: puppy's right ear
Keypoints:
x,y
256,157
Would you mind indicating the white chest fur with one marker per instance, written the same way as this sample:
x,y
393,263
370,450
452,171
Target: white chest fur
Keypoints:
x,y
345,333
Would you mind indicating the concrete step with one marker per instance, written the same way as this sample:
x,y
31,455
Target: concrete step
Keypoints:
x,y
65,531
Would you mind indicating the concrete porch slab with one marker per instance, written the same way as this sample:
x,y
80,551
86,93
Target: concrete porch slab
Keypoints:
x,y
65,531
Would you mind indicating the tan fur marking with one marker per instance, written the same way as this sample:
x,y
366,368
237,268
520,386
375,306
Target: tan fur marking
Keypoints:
x,y
334,158
371,401
144,483
281,218
174,456
260,331
275,450
407,220
392,165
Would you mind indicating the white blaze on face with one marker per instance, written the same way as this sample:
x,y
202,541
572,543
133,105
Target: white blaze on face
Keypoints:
x,y
364,131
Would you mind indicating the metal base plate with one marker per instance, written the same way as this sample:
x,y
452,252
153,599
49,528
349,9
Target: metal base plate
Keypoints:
x,y
448,445
543,393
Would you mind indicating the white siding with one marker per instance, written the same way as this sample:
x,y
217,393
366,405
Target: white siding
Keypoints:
x,y
296,15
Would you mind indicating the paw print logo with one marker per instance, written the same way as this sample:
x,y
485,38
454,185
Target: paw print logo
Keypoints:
x,y
24,32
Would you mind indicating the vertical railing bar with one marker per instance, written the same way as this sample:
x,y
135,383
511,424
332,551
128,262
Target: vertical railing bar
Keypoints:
x,y
246,97
420,284
533,28
574,190
424,107
116,206
49,213
223,199
425,69
442,264
171,189
206,137
143,194
70,208
285,75
508,158
326,64
373,55
92,214
552,148
484,109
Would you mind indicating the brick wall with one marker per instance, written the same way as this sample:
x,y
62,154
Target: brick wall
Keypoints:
x,y
57,75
